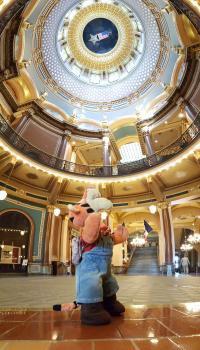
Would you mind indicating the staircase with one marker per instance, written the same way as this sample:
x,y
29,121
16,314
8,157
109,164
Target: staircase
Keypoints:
x,y
144,262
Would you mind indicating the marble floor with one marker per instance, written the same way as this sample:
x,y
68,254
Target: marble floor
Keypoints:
x,y
144,326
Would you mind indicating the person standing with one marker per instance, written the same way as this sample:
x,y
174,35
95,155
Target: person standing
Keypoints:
x,y
185,264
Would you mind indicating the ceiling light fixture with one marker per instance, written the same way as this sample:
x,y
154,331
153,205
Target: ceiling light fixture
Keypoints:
x,y
152,209
181,113
186,247
3,195
194,239
138,241
56,211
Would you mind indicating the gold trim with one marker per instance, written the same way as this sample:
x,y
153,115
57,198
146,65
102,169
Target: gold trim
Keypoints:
x,y
100,180
115,104
118,54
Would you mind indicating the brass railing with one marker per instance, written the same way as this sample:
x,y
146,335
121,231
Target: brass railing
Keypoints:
x,y
186,139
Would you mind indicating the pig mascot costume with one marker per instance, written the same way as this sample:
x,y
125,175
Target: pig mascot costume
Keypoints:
x,y
96,287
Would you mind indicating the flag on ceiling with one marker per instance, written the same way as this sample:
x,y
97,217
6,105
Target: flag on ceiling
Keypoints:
x,y
147,229
103,35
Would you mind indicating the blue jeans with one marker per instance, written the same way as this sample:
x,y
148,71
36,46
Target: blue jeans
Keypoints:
x,y
94,280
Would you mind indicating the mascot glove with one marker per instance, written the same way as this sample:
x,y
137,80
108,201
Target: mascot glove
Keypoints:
x,y
120,235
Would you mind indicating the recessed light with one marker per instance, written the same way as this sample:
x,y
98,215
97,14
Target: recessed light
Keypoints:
x,y
156,141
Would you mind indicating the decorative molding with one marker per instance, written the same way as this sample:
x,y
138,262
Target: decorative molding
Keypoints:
x,y
182,7
56,82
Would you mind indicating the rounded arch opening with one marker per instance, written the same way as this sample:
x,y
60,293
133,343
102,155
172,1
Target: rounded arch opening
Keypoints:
x,y
16,240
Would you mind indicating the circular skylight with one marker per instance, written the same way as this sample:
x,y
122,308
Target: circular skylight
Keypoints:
x,y
100,43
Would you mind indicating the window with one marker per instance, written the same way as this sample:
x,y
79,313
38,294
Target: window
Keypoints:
x,y
131,152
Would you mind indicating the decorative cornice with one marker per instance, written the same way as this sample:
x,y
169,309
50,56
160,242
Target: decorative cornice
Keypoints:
x,y
181,7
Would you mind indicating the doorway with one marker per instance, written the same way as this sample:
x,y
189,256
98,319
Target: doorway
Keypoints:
x,y
16,228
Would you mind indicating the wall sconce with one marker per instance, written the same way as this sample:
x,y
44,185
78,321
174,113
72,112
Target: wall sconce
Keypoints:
x,y
152,209
3,195
56,211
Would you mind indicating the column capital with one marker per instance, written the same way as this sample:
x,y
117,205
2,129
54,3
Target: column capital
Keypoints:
x,y
197,154
65,217
59,180
106,134
106,139
18,114
163,205
181,101
146,133
68,135
50,208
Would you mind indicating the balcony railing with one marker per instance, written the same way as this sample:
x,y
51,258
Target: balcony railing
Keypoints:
x,y
23,146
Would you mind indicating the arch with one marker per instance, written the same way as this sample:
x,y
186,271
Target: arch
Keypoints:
x,y
140,216
31,235
185,210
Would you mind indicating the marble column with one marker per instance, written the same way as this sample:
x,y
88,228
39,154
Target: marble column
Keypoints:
x,y
62,148
148,143
73,160
65,241
190,111
117,258
166,241
68,149
149,148
106,155
48,236
19,123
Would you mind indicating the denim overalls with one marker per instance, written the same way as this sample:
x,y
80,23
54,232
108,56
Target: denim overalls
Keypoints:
x,y
94,280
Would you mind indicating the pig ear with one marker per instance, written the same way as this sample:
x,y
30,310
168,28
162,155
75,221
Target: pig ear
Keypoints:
x,y
90,210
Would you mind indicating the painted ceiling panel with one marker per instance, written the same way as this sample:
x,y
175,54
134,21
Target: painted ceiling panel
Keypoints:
x,y
125,131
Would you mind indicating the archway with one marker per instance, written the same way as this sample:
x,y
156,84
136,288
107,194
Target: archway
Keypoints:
x,y
16,240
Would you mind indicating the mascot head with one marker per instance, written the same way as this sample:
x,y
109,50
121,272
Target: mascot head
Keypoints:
x,y
90,202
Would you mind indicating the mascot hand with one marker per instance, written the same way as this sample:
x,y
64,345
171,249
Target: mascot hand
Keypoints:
x,y
120,235
104,230
90,231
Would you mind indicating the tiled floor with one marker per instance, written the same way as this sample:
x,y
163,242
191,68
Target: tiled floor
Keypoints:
x,y
43,291
162,313
141,328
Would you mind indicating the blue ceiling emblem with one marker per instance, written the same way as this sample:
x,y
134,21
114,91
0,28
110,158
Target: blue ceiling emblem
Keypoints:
x,y
100,35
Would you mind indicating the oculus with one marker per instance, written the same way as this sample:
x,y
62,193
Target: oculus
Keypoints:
x,y
100,35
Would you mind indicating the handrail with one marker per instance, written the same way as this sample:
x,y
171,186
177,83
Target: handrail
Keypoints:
x,y
122,169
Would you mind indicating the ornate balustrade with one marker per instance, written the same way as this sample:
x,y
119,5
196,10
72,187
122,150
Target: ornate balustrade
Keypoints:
x,y
27,149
